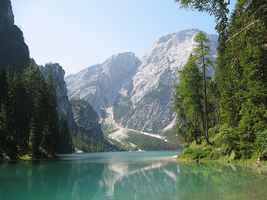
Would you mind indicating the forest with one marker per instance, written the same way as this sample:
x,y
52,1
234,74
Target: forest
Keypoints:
x,y
186,121
29,123
224,116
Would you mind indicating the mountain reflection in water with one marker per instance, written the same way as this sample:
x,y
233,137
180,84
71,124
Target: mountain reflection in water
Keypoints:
x,y
127,176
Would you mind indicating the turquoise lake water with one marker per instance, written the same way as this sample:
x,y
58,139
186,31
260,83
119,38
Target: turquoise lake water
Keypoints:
x,y
127,176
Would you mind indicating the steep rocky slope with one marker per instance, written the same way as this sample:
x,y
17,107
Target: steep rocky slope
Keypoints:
x,y
101,85
153,84
82,120
13,52
63,105
134,96
90,136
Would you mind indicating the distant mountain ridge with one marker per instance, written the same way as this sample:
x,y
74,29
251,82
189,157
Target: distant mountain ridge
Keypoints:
x,y
139,91
102,84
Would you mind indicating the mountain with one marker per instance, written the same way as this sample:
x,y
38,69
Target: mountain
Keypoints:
x,y
132,96
86,118
153,83
90,137
64,108
14,52
82,120
29,123
102,84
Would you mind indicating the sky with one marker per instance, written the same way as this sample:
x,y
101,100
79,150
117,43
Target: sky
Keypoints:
x,y
80,33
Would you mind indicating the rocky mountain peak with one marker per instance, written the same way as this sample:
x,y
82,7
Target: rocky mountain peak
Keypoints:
x,y
101,84
56,70
14,53
153,83
139,93
6,13
121,63
168,54
178,36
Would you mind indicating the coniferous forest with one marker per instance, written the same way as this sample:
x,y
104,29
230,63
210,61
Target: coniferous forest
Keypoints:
x,y
29,123
225,115
186,121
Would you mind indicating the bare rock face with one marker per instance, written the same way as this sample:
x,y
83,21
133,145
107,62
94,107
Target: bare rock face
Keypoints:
x,y
139,92
14,53
101,85
63,104
82,119
153,84
6,14
86,118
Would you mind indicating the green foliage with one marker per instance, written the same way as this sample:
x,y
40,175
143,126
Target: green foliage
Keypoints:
x,y
89,144
191,100
28,116
188,100
195,152
217,8
261,145
227,140
239,103
28,112
135,140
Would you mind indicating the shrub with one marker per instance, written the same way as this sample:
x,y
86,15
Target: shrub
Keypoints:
x,y
196,152
261,144
228,139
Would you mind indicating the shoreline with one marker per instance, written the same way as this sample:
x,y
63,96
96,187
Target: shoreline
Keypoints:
x,y
28,158
253,165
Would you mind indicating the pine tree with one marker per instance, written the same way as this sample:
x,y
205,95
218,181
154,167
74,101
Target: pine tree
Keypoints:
x,y
35,138
240,80
3,87
52,117
188,100
191,100
3,130
218,8
202,52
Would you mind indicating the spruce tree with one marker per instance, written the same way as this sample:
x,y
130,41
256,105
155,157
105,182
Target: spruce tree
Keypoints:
x,y
202,52
188,100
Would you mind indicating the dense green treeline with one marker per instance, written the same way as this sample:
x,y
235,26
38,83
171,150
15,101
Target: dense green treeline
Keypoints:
x,y
29,121
236,95
29,124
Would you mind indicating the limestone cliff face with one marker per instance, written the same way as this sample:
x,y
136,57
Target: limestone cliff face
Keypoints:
x,y
82,119
155,79
6,14
14,53
86,118
63,105
102,85
138,91
90,136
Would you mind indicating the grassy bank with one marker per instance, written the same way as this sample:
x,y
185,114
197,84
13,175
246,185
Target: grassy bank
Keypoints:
x,y
206,154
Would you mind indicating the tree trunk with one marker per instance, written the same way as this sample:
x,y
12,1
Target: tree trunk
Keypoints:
x,y
205,116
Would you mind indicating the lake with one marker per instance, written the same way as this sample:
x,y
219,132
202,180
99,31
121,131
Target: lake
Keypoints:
x,y
127,176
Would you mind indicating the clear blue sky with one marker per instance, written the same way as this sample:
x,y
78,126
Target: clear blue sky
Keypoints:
x,y
80,33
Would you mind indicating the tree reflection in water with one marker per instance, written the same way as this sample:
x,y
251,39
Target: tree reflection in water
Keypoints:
x,y
127,176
